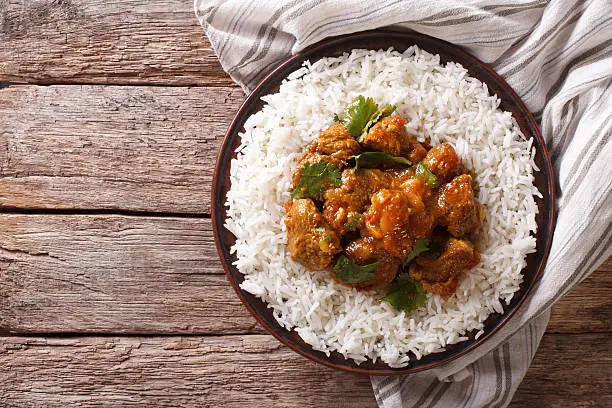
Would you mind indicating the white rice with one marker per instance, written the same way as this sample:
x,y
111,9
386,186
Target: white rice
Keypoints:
x,y
441,102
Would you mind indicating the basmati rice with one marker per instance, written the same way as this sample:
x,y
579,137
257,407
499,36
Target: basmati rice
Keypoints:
x,y
440,102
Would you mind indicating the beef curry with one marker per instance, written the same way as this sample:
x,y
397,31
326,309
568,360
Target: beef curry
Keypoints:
x,y
382,210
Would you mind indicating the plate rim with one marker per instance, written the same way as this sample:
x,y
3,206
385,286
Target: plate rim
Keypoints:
x,y
237,123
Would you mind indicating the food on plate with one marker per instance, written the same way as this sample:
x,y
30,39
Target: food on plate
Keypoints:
x,y
383,205
401,207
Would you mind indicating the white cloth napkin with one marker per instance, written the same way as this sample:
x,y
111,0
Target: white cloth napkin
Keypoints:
x,y
557,55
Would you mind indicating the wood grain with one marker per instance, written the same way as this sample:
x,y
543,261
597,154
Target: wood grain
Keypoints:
x,y
228,371
119,274
105,42
251,370
568,371
128,148
114,274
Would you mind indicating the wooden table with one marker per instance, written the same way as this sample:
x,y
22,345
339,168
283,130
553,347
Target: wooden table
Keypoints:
x,y
111,293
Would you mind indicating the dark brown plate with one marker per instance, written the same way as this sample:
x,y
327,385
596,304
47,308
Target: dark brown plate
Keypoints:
x,y
381,39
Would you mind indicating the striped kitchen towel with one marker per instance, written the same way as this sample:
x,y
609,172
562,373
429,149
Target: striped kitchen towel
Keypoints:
x,y
557,55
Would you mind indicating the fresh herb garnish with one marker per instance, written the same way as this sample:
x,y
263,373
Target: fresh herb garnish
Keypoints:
x,y
349,272
361,114
386,111
352,220
425,247
405,293
314,177
378,160
423,171
420,246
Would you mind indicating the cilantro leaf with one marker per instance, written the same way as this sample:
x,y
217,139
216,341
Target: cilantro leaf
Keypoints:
x,y
387,111
358,113
361,114
349,272
425,247
405,293
314,177
420,246
428,177
378,160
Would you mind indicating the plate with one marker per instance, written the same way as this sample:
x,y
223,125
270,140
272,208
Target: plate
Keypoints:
x,y
383,39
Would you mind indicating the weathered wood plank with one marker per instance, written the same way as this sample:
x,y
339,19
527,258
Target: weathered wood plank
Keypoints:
x,y
127,148
105,42
251,370
568,371
117,274
114,274
228,371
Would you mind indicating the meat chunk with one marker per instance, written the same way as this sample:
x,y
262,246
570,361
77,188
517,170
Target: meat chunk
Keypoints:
x,y
456,255
336,142
311,242
387,220
422,203
421,198
439,275
365,251
390,136
442,160
399,176
445,289
458,209
334,145
352,197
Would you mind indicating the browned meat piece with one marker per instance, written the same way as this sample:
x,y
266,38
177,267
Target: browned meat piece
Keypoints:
x,y
421,198
365,251
458,209
390,136
422,204
352,197
334,145
442,160
387,220
399,177
444,289
311,242
440,275
457,255
335,141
